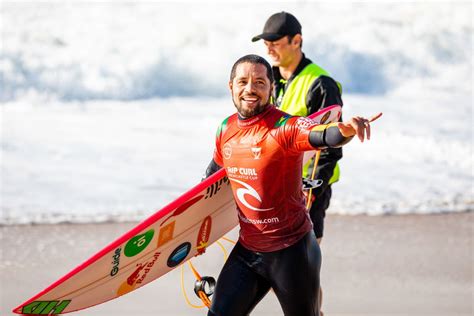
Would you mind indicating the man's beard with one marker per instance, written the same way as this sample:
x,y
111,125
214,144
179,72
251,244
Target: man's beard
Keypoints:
x,y
246,113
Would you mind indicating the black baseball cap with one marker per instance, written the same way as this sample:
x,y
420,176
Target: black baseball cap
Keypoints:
x,y
279,25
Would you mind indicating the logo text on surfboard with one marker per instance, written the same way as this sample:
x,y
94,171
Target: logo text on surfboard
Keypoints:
x,y
215,187
115,262
138,243
45,307
138,276
203,235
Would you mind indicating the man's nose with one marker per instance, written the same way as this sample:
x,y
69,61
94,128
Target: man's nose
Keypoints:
x,y
250,86
269,49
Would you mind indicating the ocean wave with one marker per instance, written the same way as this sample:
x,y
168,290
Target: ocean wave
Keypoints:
x,y
118,57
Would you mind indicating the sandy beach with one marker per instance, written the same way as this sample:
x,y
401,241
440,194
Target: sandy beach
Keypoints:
x,y
372,265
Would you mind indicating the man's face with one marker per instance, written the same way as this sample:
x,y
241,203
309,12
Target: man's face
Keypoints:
x,y
250,88
283,51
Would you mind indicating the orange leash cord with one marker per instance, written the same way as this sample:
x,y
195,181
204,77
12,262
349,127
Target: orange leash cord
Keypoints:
x,y
201,282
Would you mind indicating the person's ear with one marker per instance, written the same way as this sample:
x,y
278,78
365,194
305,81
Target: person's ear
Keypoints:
x,y
296,40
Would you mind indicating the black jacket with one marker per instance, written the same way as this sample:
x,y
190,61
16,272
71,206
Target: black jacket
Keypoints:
x,y
323,92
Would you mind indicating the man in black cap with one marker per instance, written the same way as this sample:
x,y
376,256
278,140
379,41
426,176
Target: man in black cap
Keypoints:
x,y
302,88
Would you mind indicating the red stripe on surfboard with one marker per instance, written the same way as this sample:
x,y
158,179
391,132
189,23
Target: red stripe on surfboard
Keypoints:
x,y
183,207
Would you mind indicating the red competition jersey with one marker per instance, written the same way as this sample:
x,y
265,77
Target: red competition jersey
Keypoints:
x,y
263,159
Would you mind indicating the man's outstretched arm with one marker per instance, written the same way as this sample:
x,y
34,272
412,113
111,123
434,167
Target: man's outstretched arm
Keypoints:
x,y
338,134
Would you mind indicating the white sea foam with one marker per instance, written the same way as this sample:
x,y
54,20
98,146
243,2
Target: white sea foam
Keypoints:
x,y
123,51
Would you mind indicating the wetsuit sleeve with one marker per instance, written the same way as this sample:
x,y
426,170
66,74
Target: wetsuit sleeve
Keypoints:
x,y
295,135
211,169
216,162
327,136
303,134
217,157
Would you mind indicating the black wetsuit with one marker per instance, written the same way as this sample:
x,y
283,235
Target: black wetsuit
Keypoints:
x,y
292,273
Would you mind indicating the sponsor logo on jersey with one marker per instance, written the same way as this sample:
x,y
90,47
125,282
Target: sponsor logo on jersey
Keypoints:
x,y
256,152
258,221
242,171
305,123
250,140
247,190
227,151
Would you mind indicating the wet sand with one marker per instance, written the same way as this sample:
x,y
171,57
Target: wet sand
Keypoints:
x,y
372,265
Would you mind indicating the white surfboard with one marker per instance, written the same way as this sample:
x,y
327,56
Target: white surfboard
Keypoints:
x,y
169,237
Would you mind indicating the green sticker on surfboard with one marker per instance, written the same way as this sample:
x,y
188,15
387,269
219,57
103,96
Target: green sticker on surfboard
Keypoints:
x,y
138,243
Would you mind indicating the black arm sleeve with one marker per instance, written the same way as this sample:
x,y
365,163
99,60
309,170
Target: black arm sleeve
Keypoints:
x,y
329,137
211,169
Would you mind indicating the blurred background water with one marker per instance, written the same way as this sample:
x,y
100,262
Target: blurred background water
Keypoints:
x,y
109,109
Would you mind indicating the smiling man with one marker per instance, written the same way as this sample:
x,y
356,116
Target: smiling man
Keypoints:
x,y
251,89
262,150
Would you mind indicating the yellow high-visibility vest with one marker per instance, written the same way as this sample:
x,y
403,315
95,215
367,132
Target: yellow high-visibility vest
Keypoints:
x,y
293,101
